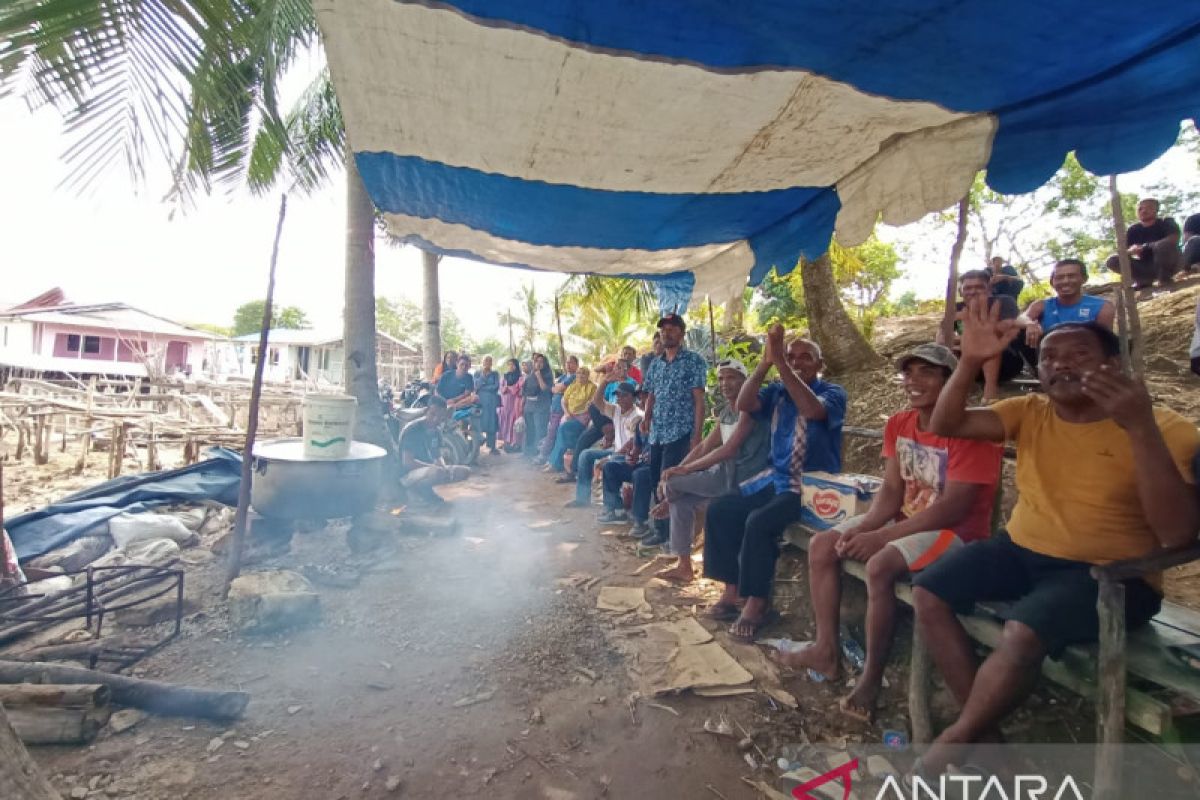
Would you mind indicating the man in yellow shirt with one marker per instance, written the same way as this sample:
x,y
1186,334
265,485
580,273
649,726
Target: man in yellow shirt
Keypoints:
x,y
1102,475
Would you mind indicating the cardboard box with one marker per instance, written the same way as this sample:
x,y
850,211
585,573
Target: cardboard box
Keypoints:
x,y
833,498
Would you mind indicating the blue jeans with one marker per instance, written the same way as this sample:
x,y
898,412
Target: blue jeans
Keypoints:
x,y
618,472
566,437
585,462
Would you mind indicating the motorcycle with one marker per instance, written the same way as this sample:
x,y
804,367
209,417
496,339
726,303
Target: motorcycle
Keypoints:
x,y
416,394
458,440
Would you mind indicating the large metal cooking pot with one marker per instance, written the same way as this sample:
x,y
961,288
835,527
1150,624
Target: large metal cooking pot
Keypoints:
x,y
286,485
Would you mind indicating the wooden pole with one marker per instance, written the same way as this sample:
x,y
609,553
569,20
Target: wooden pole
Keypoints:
x,y
1129,322
562,347
712,330
19,775
947,328
918,689
1110,705
243,507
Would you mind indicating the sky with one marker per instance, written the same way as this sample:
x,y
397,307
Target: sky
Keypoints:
x,y
119,242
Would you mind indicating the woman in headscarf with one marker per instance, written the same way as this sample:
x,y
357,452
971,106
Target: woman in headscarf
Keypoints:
x,y
510,402
447,367
576,399
538,387
487,388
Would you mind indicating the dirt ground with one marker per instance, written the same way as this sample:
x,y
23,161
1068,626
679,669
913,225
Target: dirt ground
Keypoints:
x,y
475,664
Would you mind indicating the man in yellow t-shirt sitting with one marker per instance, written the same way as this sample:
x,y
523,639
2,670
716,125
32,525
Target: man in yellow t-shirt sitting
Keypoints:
x,y
1102,475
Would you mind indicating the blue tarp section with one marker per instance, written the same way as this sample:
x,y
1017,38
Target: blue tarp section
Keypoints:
x,y
38,532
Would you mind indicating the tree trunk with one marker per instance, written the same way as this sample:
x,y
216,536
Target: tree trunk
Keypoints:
x,y
431,306
842,344
735,313
948,313
19,776
361,377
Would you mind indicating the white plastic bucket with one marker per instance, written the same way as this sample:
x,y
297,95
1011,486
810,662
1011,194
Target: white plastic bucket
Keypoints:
x,y
328,425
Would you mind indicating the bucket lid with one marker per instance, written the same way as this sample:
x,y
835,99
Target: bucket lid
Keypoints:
x,y
330,398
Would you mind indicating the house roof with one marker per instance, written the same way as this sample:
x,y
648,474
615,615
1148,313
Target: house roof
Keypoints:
x,y
114,316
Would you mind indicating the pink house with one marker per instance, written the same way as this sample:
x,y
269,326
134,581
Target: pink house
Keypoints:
x,y
48,334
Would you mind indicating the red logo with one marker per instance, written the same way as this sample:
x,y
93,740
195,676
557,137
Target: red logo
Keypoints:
x,y
842,773
827,503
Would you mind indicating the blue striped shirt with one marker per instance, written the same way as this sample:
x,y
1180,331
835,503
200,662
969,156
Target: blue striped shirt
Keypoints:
x,y
820,439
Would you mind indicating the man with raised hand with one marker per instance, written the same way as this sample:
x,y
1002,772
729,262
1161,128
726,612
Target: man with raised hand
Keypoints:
x,y
742,530
937,494
1102,475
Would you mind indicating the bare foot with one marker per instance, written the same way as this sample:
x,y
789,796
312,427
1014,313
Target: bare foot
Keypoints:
x,y
860,704
825,662
681,572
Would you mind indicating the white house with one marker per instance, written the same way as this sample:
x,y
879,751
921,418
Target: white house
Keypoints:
x,y
49,335
319,357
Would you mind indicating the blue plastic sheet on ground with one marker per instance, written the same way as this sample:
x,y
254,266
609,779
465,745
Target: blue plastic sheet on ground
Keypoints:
x,y
38,532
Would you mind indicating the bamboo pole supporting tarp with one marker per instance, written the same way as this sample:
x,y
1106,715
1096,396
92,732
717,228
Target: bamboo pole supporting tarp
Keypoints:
x,y
243,507
960,239
1129,322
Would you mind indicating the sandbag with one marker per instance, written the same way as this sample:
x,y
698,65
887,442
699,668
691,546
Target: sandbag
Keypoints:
x,y
129,528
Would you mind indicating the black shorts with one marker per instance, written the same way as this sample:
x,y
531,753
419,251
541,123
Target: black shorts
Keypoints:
x,y
1056,598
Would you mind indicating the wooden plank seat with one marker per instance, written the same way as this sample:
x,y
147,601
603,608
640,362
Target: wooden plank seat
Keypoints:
x,y
1158,687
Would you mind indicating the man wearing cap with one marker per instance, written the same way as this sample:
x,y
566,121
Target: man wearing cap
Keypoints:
x,y
625,418
1102,476
742,530
937,494
735,450
674,406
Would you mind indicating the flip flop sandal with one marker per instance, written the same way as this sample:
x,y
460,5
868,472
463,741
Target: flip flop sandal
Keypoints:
x,y
769,618
723,612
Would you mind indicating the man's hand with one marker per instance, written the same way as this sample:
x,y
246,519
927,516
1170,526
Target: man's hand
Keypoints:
x,y
862,545
998,279
1033,334
1122,398
644,426
984,334
671,472
775,349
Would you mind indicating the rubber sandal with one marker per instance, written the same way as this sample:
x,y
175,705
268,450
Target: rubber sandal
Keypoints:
x,y
769,618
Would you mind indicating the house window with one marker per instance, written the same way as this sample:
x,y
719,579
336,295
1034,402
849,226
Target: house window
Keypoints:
x,y
274,356
253,355
91,344
73,342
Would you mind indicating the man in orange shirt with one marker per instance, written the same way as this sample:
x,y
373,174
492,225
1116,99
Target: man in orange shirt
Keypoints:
x,y
937,494
1102,475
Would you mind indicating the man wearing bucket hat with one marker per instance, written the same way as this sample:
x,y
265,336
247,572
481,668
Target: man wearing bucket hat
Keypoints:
x,y
937,494
735,450
742,529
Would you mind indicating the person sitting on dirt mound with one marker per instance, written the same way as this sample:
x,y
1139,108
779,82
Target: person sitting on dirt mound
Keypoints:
x,y
735,450
976,283
742,530
421,463
1069,304
937,493
1191,243
1153,247
1102,475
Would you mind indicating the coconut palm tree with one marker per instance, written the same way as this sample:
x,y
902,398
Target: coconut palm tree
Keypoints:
x,y
199,80
607,311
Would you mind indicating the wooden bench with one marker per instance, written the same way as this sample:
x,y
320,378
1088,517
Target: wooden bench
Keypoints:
x,y
1147,658
1131,676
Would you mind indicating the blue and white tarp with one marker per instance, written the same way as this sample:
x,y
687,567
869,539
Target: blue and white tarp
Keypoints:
x,y
721,139
218,478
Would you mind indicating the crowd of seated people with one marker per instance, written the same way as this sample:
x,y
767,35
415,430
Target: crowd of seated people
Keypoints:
x,y
638,427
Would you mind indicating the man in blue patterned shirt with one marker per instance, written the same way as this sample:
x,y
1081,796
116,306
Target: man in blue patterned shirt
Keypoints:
x,y
742,530
674,397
